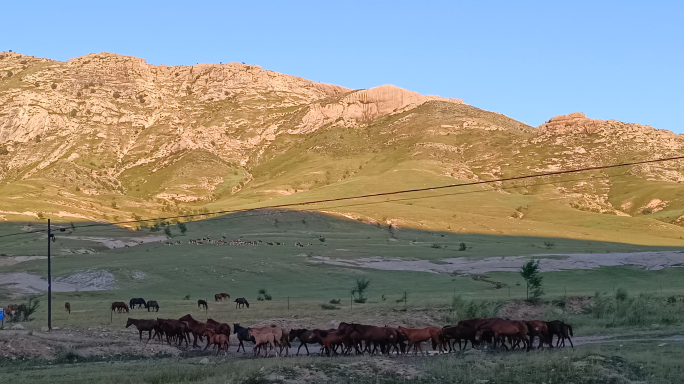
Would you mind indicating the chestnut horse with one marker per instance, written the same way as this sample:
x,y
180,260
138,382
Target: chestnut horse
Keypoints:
x,y
219,340
119,306
305,336
416,336
221,296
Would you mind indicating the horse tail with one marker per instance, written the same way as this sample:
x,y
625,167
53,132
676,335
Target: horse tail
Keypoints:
x,y
570,330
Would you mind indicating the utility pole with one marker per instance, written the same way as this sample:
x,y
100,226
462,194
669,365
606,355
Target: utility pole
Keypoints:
x,y
49,238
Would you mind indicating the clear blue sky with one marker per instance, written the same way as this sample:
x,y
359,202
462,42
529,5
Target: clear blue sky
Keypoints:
x,y
527,59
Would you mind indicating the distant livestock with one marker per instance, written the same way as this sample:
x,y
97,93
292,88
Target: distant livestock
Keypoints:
x,y
241,302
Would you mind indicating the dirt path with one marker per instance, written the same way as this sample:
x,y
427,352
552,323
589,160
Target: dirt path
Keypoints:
x,y
651,261
27,283
102,342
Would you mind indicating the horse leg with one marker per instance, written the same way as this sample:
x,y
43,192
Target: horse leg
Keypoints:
x,y
570,340
140,330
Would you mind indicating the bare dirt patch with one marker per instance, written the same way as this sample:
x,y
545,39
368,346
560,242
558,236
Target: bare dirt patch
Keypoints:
x,y
7,261
27,283
112,243
651,261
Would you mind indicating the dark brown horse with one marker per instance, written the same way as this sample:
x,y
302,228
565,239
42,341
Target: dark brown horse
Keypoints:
x,y
202,303
152,304
176,328
119,306
372,335
305,337
241,302
464,330
220,328
197,328
562,330
537,328
67,307
143,326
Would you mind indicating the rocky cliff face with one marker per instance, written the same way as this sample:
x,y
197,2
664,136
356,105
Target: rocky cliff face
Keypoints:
x,y
105,136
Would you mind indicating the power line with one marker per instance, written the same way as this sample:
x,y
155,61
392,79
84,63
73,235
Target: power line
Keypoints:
x,y
320,201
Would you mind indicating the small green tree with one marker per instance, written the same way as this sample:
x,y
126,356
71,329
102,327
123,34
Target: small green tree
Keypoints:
x,y
167,231
531,272
182,228
361,287
26,309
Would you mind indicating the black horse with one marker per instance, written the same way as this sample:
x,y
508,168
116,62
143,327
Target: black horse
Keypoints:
x,y
239,303
140,302
562,330
202,303
242,335
305,336
152,304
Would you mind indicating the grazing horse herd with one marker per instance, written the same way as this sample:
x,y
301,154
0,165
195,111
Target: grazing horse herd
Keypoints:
x,y
360,338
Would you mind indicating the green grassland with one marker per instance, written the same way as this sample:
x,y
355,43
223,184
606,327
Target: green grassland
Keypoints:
x,y
291,273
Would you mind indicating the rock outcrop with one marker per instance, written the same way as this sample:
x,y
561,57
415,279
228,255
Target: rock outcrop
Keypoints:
x,y
364,105
576,122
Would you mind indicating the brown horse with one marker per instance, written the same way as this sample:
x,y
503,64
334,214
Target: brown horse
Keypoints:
x,y
221,296
502,329
119,306
143,326
197,328
372,335
67,307
219,340
202,303
416,336
329,339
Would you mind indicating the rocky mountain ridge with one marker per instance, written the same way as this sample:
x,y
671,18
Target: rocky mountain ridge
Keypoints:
x,y
103,136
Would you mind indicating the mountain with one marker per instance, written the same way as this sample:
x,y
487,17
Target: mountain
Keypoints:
x,y
110,137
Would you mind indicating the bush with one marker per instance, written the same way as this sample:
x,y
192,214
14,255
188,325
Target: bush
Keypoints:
x,y
10,74
186,297
27,309
167,232
73,113
462,309
621,294
116,95
263,295
53,86
672,300
462,247
329,307
3,151
549,244
333,301
436,246
182,228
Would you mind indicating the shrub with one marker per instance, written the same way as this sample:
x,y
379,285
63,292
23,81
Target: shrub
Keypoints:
x,y
321,239
361,287
621,294
333,301
672,299
53,86
462,247
462,309
436,246
79,94
182,228
116,95
73,113
549,244
167,231
3,151
10,74
37,138
186,297
27,309
263,295
329,307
